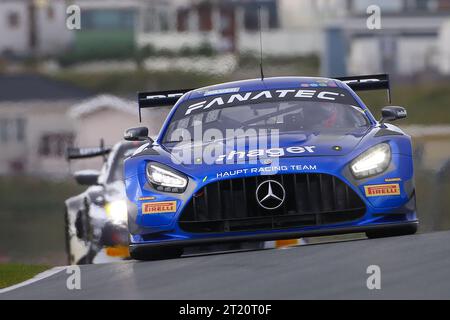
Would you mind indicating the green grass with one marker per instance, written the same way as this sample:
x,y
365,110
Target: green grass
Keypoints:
x,y
32,219
274,66
11,274
427,104
129,82
30,195
433,201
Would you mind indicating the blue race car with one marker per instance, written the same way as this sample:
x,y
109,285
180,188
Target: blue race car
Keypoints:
x,y
267,159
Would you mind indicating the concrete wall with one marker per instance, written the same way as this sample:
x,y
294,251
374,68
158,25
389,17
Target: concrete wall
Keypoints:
x,y
40,118
53,37
444,48
177,40
364,57
416,55
48,119
108,4
52,118
411,55
12,151
309,13
107,124
110,124
299,33
14,39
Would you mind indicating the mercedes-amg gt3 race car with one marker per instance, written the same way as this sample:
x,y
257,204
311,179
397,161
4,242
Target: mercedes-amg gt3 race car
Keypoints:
x,y
267,159
96,220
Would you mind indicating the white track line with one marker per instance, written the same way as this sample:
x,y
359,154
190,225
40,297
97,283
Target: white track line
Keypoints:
x,y
36,278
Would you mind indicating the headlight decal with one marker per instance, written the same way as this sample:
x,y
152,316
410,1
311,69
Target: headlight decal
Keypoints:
x,y
165,179
372,162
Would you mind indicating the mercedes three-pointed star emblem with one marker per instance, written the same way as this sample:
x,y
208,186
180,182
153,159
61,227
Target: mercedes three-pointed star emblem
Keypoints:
x,y
270,194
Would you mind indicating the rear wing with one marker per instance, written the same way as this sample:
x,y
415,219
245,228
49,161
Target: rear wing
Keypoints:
x,y
159,99
369,82
85,153
169,98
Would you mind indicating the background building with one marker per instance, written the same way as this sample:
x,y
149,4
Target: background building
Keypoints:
x,y
107,30
33,27
408,41
34,128
192,23
106,117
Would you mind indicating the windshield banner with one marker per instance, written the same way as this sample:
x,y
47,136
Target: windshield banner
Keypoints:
x,y
333,95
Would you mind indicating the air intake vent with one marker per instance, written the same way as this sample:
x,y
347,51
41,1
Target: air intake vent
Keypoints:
x,y
309,200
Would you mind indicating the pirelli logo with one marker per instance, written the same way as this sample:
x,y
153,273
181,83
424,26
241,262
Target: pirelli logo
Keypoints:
x,y
377,190
159,207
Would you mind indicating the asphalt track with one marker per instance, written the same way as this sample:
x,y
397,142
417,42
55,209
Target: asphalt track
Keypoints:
x,y
412,267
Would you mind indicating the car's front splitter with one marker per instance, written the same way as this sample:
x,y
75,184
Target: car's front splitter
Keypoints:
x,y
274,235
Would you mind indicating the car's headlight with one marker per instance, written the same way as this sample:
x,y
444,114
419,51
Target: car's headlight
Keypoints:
x,y
117,211
371,162
164,179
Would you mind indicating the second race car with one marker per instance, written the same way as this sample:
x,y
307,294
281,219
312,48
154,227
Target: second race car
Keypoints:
x,y
96,220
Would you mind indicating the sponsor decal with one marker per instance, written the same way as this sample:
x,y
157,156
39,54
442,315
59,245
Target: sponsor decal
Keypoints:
x,y
401,113
74,153
159,207
332,84
263,153
146,198
266,170
164,96
377,190
308,92
221,91
356,81
392,179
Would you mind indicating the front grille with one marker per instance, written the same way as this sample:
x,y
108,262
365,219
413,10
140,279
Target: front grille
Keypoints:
x,y
310,200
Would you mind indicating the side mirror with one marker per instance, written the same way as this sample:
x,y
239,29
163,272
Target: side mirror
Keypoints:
x,y
392,113
137,134
87,177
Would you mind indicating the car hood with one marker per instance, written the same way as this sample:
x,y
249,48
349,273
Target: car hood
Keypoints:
x,y
309,144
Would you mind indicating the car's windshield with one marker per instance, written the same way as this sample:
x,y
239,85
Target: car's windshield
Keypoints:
x,y
284,116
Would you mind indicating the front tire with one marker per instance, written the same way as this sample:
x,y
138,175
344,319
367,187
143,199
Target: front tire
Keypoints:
x,y
392,232
155,254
